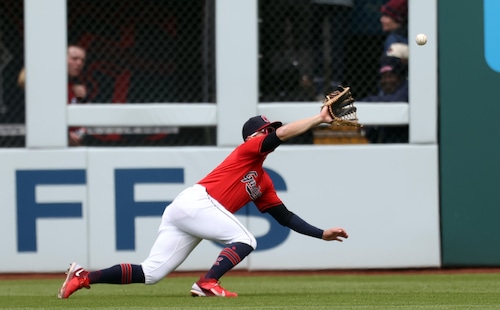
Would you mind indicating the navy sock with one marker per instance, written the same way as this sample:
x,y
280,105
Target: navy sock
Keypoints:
x,y
118,274
229,257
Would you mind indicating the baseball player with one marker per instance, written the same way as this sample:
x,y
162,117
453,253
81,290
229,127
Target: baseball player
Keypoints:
x,y
206,211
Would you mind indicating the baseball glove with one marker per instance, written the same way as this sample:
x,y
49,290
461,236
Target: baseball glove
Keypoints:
x,y
340,104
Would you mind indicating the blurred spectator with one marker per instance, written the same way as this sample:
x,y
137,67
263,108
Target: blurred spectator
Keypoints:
x,y
393,71
330,21
77,92
394,22
393,88
393,81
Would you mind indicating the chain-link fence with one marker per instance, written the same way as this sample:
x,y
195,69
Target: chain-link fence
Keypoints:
x,y
158,51
12,114
146,52
308,47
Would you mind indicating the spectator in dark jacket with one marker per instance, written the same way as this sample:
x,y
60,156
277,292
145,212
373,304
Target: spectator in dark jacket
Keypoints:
x,y
393,88
393,82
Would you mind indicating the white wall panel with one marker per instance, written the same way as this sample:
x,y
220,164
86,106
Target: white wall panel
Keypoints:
x,y
58,239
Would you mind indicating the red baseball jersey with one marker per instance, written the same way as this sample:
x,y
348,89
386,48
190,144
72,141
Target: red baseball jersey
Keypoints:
x,y
240,178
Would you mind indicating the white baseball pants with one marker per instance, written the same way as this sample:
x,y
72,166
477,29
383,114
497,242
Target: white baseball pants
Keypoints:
x,y
193,216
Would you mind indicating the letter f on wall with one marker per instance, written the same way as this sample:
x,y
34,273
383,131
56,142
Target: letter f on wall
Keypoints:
x,y
28,210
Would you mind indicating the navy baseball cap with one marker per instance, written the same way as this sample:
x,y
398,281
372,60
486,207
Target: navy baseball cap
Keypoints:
x,y
257,123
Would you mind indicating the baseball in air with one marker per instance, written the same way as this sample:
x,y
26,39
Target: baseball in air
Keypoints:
x,y
421,39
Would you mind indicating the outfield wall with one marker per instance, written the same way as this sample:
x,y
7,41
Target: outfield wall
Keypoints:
x,y
103,206
391,191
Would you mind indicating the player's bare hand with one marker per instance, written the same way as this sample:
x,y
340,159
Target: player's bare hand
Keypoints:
x,y
74,139
335,234
325,115
80,91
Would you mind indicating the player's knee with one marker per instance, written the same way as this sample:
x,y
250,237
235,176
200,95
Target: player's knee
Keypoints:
x,y
247,239
153,273
152,279
252,242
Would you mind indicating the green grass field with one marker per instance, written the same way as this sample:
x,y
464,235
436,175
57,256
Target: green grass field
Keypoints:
x,y
402,291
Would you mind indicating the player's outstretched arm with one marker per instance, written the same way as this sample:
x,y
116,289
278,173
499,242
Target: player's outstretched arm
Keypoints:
x,y
287,218
299,127
335,234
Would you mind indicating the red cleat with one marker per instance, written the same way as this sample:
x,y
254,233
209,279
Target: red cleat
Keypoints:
x,y
77,278
210,288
